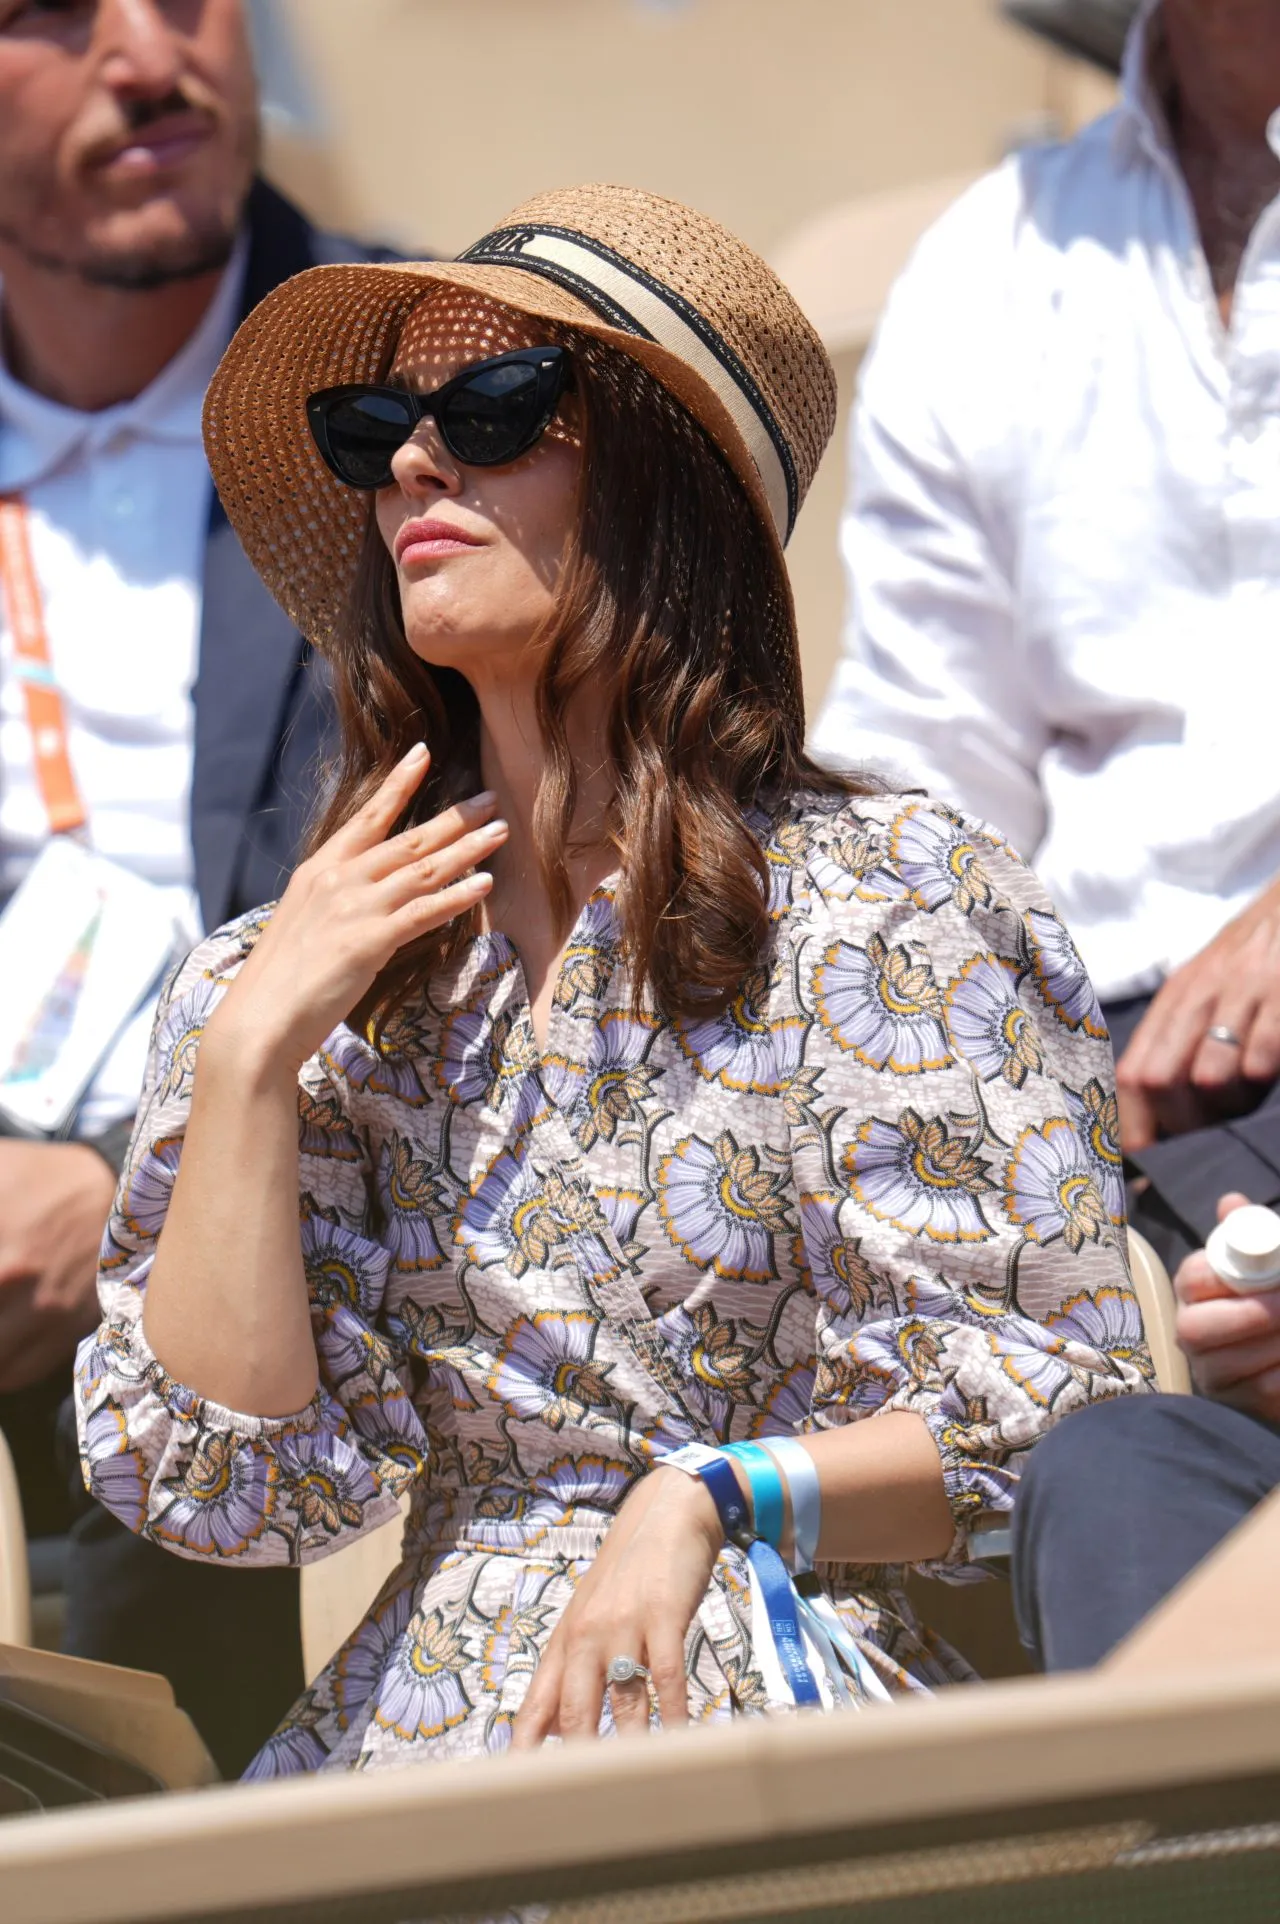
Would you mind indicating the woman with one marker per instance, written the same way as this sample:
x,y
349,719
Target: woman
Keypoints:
x,y
609,1076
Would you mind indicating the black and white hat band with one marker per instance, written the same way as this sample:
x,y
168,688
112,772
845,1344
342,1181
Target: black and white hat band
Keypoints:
x,y
636,303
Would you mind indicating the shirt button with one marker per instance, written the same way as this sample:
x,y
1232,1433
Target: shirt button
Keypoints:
x,y
122,506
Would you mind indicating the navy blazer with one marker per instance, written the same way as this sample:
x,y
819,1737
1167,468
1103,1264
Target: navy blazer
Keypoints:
x,y
262,712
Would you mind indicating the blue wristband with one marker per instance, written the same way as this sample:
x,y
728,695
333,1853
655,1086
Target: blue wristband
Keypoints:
x,y
717,1472
767,1495
782,1608
805,1490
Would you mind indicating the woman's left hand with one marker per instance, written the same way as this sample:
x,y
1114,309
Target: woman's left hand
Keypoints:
x,y
637,1600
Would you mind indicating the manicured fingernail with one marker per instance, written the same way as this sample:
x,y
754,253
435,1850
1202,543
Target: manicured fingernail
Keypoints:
x,y
481,881
416,754
485,799
494,829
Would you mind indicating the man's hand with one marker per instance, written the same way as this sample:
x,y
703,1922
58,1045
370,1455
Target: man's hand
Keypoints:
x,y
1231,1341
1174,1076
54,1203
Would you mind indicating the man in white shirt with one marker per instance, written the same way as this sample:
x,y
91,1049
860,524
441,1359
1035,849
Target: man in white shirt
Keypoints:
x,y
1063,543
1064,547
133,237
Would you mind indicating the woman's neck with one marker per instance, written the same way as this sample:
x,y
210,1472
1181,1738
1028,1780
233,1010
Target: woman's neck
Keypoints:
x,y
512,756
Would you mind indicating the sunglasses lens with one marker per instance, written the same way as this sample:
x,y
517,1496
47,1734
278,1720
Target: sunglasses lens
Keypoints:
x,y
364,431
495,415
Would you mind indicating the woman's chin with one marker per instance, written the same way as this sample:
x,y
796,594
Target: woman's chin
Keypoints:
x,y
470,650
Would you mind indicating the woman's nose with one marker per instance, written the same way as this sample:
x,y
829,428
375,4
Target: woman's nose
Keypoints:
x,y
424,465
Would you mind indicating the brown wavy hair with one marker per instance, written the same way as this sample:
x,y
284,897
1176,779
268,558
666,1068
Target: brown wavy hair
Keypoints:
x,y
669,601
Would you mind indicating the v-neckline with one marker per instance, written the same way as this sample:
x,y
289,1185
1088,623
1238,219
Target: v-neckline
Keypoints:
x,y
562,1009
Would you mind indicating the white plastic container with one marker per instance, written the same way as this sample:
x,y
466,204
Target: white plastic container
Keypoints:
x,y
1245,1249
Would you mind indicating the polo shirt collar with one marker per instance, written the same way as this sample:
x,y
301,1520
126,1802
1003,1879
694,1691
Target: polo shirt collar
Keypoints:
x,y
1141,122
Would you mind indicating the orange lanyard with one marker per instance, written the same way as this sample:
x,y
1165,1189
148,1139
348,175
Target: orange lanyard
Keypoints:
x,y
46,716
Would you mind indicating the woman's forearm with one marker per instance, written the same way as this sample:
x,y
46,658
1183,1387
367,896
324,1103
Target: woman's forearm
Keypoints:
x,y
226,1308
883,1496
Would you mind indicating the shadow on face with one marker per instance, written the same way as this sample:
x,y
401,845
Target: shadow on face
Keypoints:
x,y
128,136
479,551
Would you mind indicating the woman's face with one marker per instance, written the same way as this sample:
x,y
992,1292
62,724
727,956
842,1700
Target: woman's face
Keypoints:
x,y
477,551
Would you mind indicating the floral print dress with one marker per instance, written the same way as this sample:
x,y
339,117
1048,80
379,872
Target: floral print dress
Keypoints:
x,y
887,1177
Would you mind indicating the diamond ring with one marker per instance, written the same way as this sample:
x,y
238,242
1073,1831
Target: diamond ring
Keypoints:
x,y
626,1670
1219,1032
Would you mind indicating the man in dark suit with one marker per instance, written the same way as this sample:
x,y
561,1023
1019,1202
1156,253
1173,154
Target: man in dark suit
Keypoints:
x,y
189,716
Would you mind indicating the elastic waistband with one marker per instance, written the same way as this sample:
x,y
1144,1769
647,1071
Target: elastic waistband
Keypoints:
x,y
504,1524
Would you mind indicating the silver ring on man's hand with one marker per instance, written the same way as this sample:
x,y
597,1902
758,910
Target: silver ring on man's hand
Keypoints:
x,y
626,1670
1219,1032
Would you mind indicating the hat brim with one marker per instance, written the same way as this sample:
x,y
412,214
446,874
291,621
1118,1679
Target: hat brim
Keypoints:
x,y
302,528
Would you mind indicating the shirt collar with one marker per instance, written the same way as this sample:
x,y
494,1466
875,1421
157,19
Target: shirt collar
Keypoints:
x,y
1141,121
38,435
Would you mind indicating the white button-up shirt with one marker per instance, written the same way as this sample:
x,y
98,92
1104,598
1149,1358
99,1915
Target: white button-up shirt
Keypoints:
x,y
118,513
1063,540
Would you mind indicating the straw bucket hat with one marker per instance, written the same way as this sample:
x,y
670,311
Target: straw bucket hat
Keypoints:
x,y
667,286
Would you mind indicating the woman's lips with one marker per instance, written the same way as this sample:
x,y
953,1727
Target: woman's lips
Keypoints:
x,y
429,540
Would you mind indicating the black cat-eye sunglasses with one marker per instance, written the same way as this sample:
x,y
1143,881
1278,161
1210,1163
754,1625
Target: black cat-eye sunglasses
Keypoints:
x,y
489,414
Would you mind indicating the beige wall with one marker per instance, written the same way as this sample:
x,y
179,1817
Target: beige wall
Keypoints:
x,y
443,114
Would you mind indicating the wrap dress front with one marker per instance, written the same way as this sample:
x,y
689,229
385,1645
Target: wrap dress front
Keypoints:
x,y
887,1177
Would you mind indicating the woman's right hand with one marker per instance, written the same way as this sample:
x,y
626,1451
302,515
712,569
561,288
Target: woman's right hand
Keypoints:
x,y
346,911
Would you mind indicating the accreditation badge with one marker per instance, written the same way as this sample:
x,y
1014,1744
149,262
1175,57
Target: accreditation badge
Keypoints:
x,y
81,944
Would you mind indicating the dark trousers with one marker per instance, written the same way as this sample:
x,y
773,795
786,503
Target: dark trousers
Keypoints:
x,y
1120,1503
228,1640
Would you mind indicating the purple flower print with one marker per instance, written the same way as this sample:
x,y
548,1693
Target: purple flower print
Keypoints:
x,y
1033,1359
784,853
920,1177
385,1067
939,859
789,1404
1061,976
622,1209
389,1421
856,865
591,955
328,1483
117,1475
177,1038
443,1347
574,1483
323,1128
287,1753
908,1350
486,1057
709,1356
145,1203
721,1209
545,1369
744,1049
1051,1189
363,1659
618,1081
1106,1322
412,1202
882,1005
225,1501
841,1275
508,1220
520,1218
421,1694
988,1025
1096,1115
343,1270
